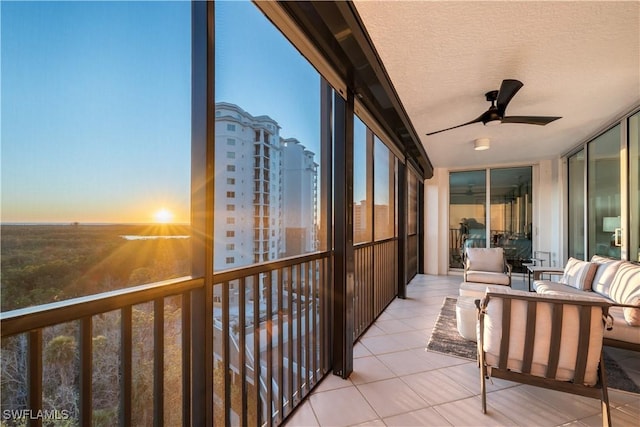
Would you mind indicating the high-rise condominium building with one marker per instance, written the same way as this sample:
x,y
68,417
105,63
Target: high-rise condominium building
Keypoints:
x,y
266,194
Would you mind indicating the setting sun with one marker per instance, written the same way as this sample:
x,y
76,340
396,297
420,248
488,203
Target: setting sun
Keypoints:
x,y
163,216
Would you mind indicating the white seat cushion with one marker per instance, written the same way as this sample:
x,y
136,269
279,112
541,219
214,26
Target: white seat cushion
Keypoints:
x,y
487,277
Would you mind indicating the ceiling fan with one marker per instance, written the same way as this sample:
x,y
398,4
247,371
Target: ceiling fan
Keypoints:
x,y
499,100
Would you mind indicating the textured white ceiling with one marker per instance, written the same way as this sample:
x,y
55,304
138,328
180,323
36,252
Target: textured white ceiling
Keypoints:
x,y
579,60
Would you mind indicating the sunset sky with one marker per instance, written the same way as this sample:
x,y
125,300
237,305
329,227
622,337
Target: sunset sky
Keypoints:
x,y
96,104
95,120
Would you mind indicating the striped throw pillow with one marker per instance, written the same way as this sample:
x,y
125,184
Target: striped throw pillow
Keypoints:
x,y
579,274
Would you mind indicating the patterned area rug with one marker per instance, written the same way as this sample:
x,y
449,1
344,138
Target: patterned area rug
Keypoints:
x,y
446,339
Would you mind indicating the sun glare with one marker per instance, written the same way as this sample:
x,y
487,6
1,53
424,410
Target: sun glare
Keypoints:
x,y
163,216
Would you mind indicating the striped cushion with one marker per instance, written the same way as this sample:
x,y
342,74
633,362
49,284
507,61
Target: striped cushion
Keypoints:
x,y
579,274
607,269
625,289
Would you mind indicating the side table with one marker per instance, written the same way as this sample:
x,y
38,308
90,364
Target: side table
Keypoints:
x,y
538,270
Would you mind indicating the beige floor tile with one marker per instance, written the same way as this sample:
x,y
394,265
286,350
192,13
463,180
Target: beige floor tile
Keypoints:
x,y
392,326
373,331
303,417
372,423
413,339
360,350
381,344
618,419
419,418
468,412
423,322
341,407
436,387
468,376
391,397
408,361
369,369
332,382
519,405
573,406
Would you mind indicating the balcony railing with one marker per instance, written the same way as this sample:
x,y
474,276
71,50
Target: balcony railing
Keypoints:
x,y
32,322
375,281
271,336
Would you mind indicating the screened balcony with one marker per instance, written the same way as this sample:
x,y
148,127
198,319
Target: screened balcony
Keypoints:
x,y
199,318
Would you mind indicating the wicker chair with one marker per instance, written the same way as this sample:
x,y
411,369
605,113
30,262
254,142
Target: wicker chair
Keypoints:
x,y
546,341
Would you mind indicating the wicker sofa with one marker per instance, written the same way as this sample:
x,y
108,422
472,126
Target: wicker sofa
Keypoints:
x,y
614,281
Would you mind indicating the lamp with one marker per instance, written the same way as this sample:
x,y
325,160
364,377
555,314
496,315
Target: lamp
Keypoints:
x,y
481,144
610,223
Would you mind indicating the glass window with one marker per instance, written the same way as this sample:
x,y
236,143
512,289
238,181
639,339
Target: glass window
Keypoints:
x,y
511,214
362,231
634,187
96,155
604,211
412,195
467,213
96,147
384,191
278,143
576,230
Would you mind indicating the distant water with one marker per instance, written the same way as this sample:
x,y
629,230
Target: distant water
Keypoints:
x,y
138,237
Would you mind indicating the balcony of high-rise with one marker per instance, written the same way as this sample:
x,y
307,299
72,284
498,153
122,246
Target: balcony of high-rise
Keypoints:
x,y
242,213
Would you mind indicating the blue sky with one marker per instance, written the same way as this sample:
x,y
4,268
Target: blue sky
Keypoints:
x,y
259,70
96,103
95,118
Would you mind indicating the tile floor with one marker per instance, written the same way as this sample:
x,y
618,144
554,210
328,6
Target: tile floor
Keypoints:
x,y
396,382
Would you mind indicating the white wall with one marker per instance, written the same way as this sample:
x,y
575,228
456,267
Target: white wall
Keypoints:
x,y
548,208
436,196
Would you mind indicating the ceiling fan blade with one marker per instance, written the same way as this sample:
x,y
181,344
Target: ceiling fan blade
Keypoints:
x,y
479,119
530,120
508,89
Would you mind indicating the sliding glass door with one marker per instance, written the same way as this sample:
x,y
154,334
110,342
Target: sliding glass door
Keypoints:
x,y
467,213
498,198
634,187
604,195
576,205
511,213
